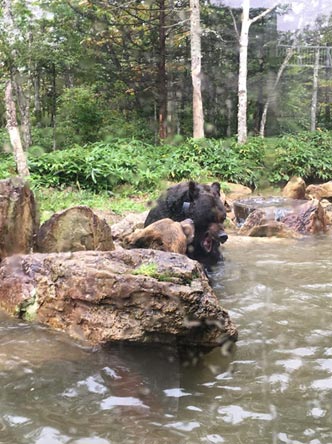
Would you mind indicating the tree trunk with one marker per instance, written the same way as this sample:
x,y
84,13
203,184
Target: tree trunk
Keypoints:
x,y
196,56
53,111
314,92
37,102
14,134
162,79
229,108
289,54
23,103
328,98
243,69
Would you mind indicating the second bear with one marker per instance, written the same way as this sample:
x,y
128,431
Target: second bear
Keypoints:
x,y
164,234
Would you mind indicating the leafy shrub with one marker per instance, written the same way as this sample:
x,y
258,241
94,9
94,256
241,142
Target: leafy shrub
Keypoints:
x,y
100,166
79,116
210,157
307,154
43,137
7,166
4,141
108,165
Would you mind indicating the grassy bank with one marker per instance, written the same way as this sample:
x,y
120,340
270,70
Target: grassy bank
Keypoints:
x,y
51,201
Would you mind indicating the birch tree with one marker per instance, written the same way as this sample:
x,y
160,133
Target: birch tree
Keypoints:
x,y
243,37
314,92
13,131
10,105
196,57
283,66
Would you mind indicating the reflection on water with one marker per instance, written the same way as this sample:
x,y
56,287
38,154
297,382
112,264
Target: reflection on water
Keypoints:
x,y
276,387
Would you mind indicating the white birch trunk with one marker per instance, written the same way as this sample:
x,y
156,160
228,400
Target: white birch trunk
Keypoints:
x,y
196,56
243,69
12,126
314,92
242,132
13,131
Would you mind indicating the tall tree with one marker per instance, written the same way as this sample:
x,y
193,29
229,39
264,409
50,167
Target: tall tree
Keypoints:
x,y
10,105
314,91
282,67
196,57
162,84
243,37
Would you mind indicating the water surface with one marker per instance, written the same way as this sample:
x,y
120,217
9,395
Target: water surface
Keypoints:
x,y
276,386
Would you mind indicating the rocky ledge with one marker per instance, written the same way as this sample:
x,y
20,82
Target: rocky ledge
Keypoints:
x,y
134,296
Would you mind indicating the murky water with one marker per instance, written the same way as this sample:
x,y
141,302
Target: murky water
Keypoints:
x,y
276,387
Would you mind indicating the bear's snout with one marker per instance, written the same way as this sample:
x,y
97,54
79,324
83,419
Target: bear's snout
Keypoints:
x,y
222,237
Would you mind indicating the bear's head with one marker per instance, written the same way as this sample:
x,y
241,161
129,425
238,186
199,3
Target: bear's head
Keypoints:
x,y
206,246
202,204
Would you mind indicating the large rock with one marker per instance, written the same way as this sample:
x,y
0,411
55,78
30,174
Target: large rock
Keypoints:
x,y
258,225
136,296
306,217
295,188
274,208
74,229
18,217
320,191
309,218
128,225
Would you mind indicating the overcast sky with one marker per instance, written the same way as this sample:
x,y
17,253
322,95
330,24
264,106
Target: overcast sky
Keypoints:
x,y
302,13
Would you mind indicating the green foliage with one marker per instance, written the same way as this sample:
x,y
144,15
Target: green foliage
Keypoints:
x,y
99,166
7,166
123,166
214,158
151,270
43,138
307,154
79,116
141,166
51,200
4,141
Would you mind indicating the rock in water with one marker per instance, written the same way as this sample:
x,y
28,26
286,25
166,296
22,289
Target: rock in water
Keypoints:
x,y
18,217
75,229
135,296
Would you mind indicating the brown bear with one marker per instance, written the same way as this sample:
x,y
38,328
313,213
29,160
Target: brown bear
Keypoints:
x,y
203,205
164,234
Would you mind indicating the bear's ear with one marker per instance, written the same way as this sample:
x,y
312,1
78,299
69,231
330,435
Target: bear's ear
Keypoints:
x,y
215,188
193,190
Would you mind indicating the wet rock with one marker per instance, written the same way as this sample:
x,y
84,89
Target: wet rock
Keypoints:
x,y
304,217
18,217
321,191
74,229
257,225
128,225
135,296
327,206
309,218
295,188
274,207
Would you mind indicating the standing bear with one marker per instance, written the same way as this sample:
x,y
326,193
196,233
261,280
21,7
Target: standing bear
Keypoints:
x,y
203,205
